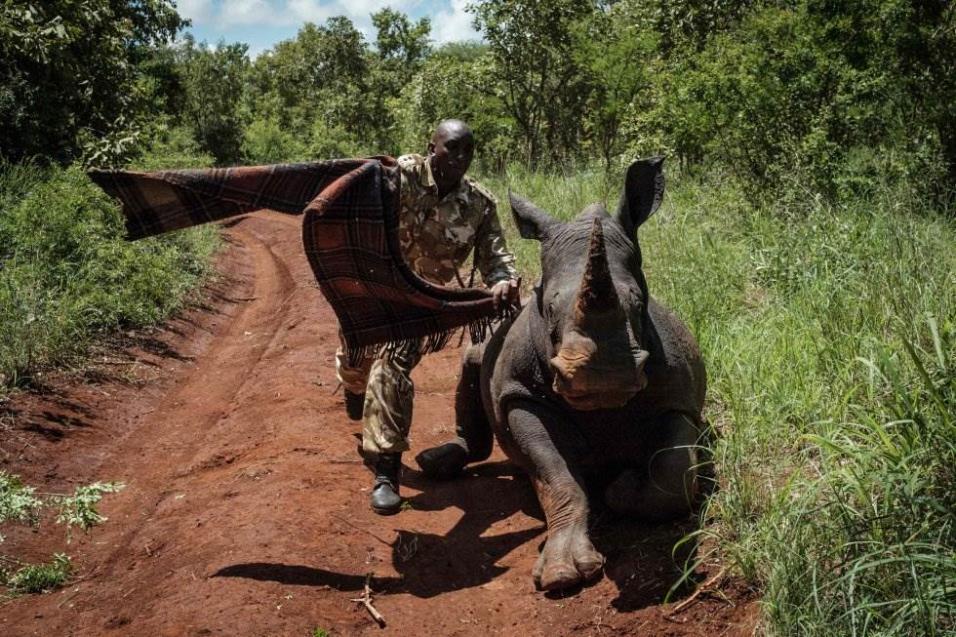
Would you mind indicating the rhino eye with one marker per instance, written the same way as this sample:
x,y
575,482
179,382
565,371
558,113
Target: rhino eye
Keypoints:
x,y
635,297
549,308
553,326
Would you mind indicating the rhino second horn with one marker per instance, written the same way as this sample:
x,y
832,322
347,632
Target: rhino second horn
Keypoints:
x,y
597,293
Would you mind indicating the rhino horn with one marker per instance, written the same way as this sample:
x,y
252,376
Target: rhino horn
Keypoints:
x,y
597,293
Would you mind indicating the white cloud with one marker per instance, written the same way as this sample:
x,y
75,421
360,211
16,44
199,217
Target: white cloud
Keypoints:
x,y
301,11
364,8
231,13
249,13
449,23
199,11
453,24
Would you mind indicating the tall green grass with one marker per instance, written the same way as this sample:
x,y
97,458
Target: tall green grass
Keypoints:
x,y
66,273
829,333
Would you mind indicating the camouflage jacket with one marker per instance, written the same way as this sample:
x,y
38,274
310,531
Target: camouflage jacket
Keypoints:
x,y
438,233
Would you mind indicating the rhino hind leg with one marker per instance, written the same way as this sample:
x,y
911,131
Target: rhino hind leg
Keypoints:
x,y
474,438
666,487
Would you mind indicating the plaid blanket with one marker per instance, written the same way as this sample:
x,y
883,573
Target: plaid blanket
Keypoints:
x,y
350,231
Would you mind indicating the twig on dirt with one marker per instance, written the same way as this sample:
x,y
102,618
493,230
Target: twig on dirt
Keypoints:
x,y
358,528
700,589
366,601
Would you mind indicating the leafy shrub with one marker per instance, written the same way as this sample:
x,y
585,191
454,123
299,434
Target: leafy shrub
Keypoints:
x,y
68,274
21,503
265,142
798,93
38,578
68,73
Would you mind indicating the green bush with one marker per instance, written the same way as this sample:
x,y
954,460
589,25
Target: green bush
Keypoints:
x,y
69,76
265,142
818,95
67,273
38,578
21,503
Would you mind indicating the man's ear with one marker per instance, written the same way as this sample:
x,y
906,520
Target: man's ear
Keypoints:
x,y
643,193
532,221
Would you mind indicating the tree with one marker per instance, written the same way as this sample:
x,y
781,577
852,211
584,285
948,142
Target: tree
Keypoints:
x,y
69,74
818,90
213,80
401,47
456,82
315,84
616,55
542,84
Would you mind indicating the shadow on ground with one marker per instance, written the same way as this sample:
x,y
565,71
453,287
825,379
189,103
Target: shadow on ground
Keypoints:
x,y
640,562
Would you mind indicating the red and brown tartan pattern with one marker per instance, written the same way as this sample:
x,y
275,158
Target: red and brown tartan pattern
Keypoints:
x,y
350,232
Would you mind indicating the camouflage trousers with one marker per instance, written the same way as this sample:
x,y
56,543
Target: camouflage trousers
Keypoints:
x,y
389,392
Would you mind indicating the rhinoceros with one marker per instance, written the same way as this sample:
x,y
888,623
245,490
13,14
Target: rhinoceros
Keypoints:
x,y
592,387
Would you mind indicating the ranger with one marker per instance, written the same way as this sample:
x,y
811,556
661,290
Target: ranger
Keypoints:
x,y
443,216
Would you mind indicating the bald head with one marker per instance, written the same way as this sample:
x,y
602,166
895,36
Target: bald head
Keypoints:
x,y
450,152
452,128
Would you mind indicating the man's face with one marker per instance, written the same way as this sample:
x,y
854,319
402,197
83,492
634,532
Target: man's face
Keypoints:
x,y
452,150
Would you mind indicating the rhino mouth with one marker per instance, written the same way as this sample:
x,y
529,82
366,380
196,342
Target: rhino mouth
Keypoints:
x,y
593,402
598,398
586,386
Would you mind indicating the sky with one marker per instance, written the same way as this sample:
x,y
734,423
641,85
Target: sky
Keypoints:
x,y
262,23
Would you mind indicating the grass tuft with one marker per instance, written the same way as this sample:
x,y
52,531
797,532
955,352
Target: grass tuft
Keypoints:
x,y
39,578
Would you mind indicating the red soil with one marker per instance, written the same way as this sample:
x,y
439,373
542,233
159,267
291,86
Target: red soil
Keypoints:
x,y
245,510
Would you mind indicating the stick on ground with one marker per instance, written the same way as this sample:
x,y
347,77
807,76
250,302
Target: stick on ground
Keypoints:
x,y
700,589
366,601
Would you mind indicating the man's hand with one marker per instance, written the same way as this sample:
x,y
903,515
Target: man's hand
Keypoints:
x,y
506,292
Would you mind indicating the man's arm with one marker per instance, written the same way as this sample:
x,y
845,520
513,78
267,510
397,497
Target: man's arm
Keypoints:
x,y
494,261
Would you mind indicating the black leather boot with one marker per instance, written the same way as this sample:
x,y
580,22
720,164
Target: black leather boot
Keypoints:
x,y
354,405
385,499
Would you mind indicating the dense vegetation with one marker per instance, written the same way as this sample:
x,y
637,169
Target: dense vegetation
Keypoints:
x,y
820,94
807,239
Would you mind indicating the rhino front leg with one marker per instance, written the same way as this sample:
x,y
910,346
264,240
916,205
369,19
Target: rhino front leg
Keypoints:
x,y
549,447
665,488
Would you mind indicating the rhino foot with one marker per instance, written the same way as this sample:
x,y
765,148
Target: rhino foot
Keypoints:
x,y
568,559
443,462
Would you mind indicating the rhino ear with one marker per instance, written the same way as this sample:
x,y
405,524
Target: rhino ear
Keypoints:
x,y
643,192
532,221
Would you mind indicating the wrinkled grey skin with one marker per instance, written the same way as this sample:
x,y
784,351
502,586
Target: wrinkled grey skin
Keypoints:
x,y
594,387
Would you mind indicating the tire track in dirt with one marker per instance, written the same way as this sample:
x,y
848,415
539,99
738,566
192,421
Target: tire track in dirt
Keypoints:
x,y
246,511
197,404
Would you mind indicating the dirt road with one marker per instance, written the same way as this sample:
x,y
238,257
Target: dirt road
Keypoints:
x,y
245,510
